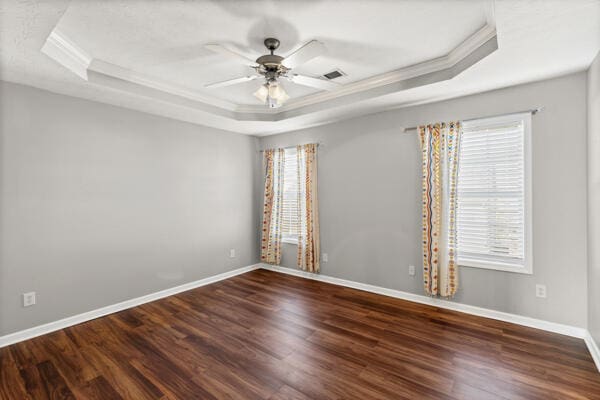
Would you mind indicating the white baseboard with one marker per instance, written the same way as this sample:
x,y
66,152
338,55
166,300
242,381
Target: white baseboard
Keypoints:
x,y
568,330
593,348
573,331
447,304
79,318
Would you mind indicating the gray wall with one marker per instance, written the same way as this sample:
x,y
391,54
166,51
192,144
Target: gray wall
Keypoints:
x,y
369,192
594,198
99,204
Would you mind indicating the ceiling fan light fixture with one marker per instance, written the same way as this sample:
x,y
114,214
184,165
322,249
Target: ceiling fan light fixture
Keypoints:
x,y
272,94
272,67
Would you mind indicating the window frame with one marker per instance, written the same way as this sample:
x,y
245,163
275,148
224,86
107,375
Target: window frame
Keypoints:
x,y
527,267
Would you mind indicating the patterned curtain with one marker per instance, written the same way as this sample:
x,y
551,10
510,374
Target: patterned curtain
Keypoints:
x,y
273,206
440,149
308,209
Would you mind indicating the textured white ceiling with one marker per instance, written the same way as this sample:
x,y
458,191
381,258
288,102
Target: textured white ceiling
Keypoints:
x,y
363,38
537,39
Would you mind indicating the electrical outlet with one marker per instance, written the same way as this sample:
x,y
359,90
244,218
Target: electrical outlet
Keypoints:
x,y
540,291
28,299
231,253
411,270
324,257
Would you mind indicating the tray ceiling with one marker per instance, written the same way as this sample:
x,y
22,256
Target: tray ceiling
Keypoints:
x,y
363,38
151,54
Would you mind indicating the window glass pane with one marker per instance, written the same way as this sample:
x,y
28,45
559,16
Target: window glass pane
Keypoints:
x,y
290,196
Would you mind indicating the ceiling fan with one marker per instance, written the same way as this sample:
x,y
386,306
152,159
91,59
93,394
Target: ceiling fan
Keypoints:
x,y
272,67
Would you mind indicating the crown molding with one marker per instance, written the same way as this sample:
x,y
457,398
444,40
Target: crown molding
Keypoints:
x,y
417,76
99,67
110,75
485,35
66,52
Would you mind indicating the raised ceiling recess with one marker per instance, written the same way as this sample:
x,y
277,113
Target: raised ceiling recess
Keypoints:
x,y
164,53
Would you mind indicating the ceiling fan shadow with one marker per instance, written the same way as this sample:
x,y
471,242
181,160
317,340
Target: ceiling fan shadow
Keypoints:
x,y
259,8
275,27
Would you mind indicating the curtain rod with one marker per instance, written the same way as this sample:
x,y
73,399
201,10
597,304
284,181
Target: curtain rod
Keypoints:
x,y
533,111
293,147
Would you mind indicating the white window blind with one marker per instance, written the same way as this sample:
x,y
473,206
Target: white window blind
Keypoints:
x,y
289,226
493,195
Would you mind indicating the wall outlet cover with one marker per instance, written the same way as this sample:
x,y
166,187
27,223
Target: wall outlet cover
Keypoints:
x,y
411,270
28,299
324,257
231,253
540,291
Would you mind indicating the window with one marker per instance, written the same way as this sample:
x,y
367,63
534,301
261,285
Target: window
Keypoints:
x,y
289,226
493,219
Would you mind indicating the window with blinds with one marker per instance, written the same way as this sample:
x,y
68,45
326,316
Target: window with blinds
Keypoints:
x,y
289,226
493,227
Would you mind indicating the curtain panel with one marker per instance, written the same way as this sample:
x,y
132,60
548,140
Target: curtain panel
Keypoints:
x,y
272,206
440,145
308,209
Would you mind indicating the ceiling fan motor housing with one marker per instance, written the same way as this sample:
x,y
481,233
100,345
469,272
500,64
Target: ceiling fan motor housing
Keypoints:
x,y
270,61
270,65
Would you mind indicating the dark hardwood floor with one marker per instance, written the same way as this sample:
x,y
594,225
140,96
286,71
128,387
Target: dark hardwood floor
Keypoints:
x,y
264,335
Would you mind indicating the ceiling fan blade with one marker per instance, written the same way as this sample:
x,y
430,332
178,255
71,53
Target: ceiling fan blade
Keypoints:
x,y
310,50
313,82
230,82
217,48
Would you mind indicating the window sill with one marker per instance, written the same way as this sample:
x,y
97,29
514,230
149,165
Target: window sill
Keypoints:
x,y
289,241
526,270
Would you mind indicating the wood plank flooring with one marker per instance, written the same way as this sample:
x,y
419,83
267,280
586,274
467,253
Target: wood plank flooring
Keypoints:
x,y
264,335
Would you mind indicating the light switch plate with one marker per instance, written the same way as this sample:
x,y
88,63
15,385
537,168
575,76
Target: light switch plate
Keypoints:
x,y
231,253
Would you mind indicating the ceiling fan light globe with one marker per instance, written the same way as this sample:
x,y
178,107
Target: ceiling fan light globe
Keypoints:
x,y
275,90
262,93
283,98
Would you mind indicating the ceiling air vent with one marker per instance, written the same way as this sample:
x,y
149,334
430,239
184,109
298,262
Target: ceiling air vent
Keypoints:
x,y
334,74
